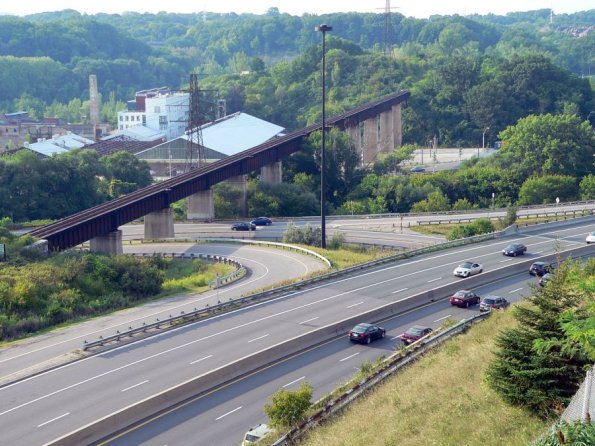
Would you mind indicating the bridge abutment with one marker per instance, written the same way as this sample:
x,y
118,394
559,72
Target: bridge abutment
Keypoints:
x,y
108,243
159,224
272,173
201,206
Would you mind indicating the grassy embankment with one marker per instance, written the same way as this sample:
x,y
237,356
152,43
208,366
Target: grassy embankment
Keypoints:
x,y
441,400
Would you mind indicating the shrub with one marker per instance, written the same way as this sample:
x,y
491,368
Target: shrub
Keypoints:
x,y
288,408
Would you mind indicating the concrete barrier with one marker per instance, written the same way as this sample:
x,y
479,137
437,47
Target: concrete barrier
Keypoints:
x,y
133,413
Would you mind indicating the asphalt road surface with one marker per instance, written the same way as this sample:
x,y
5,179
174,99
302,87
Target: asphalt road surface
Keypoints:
x,y
49,405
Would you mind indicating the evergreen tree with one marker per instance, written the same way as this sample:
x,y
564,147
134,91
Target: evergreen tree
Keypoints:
x,y
541,380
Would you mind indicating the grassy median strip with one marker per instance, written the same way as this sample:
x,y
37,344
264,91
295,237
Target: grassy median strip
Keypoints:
x,y
442,399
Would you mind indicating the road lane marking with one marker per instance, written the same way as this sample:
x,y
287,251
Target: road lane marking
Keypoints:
x,y
349,357
308,320
293,382
201,359
256,339
514,291
54,419
505,260
537,252
135,385
396,337
355,305
442,318
434,280
398,291
228,413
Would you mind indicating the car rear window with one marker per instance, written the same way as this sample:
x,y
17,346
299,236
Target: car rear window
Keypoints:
x,y
487,300
415,331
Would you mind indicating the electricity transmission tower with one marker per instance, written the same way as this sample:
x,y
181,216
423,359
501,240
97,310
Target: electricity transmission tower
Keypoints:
x,y
388,26
195,151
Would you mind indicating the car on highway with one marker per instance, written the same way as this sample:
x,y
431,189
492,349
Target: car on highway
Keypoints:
x,y
467,269
243,226
417,169
255,434
366,333
590,238
540,268
545,279
489,303
464,298
262,221
415,333
514,249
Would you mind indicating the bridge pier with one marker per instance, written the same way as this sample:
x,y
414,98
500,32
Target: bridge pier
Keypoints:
x,y
159,224
272,173
378,134
201,206
108,243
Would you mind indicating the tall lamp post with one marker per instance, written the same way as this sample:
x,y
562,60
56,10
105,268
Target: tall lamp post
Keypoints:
x,y
483,140
323,29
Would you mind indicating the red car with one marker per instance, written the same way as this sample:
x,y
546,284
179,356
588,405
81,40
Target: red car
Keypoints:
x,y
464,298
415,333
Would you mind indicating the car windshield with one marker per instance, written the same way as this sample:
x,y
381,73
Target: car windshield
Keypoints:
x,y
513,246
460,294
467,265
415,331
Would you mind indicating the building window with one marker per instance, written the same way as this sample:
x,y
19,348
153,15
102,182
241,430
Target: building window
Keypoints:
x,y
127,117
144,119
121,127
162,122
121,118
157,109
138,118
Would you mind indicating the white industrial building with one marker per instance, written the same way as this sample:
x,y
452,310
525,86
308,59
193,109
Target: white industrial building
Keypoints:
x,y
159,109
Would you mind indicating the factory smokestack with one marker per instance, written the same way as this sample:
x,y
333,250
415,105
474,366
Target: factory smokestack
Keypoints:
x,y
94,97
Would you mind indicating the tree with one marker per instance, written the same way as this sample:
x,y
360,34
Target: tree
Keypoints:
x,y
587,187
287,408
542,381
545,189
551,145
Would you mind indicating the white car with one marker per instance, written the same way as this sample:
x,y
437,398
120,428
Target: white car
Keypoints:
x,y
590,237
467,269
256,434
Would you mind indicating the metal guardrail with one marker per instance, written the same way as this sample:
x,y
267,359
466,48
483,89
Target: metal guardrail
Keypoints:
x,y
391,365
573,213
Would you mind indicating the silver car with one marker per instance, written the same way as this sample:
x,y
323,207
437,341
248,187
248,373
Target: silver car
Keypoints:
x,y
467,269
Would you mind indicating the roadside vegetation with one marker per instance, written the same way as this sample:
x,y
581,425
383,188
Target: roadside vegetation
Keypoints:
x,y
38,294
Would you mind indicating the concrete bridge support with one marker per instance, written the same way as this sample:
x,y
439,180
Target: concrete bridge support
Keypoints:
x,y
379,134
201,206
108,244
159,224
240,183
272,173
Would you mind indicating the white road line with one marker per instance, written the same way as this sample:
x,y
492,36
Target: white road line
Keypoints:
x,y
293,382
505,260
398,291
53,419
136,385
442,318
434,280
228,413
349,357
355,305
309,320
260,337
537,252
514,291
396,337
201,359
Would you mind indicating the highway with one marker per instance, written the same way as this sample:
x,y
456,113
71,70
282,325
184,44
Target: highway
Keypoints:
x,y
222,417
266,265
47,406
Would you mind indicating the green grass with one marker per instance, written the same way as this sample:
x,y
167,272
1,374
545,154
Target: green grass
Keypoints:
x,y
192,276
440,400
350,255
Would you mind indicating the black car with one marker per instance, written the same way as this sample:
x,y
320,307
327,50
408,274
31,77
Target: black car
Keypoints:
x,y
262,221
243,226
540,268
366,333
514,249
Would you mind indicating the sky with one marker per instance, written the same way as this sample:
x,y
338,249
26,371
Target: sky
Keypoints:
x,y
417,8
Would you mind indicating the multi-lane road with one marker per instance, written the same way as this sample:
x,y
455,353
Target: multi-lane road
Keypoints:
x,y
52,404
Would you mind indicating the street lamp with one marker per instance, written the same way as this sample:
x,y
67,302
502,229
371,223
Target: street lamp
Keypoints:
x,y
493,198
483,140
323,29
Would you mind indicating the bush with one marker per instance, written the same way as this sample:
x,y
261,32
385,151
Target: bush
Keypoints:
x,y
288,408
304,236
577,433
479,226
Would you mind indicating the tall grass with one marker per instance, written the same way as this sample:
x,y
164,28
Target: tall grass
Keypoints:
x,y
440,400
192,276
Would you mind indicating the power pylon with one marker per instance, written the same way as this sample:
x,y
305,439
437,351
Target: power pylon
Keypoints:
x,y
388,26
195,151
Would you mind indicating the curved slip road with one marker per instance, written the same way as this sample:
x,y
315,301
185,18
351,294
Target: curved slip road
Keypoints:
x,y
266,266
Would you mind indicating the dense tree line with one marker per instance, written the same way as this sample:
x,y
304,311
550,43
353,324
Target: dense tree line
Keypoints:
x,y
32,187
